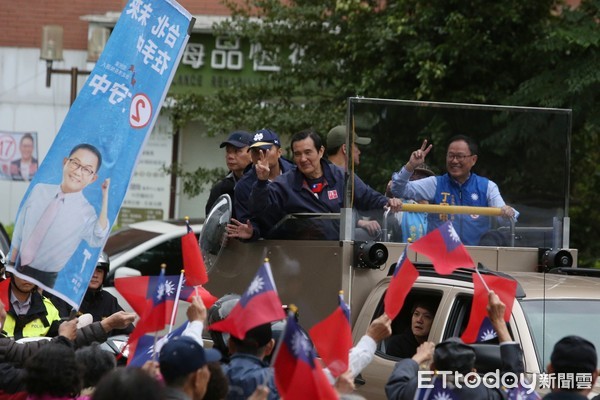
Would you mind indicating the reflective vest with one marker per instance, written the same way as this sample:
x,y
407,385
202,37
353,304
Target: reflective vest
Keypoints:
x,y
35,323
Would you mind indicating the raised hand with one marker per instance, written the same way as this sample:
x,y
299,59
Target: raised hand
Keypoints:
x,y
418,156
236,229
262,166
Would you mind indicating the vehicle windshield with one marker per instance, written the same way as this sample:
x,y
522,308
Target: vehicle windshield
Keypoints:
x,y
551,320
525,151
125,239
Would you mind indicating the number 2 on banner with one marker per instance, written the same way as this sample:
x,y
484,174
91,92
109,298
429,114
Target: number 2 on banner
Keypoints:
x,y
140,111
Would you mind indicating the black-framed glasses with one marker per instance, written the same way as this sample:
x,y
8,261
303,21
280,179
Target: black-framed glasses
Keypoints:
x,y
74,165
458,157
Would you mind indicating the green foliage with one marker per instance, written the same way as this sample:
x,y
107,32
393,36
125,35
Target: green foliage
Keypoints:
x,y
508,52
195,182
10,229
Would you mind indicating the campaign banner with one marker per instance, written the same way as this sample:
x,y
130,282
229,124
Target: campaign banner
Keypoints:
x,y
73,200
18,155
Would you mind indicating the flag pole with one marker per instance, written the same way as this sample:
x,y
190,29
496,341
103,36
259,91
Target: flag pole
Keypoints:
x,y
176,303
292,309
482,281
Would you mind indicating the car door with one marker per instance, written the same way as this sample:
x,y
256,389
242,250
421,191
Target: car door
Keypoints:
x,y
371,382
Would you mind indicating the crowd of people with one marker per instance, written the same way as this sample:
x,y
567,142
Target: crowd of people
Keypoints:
x,y
271,187
71,364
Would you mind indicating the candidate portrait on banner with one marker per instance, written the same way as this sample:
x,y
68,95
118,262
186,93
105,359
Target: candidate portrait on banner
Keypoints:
x,y
74,197
55,218
18,156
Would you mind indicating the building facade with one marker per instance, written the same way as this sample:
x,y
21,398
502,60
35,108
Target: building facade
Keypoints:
x,y
27,105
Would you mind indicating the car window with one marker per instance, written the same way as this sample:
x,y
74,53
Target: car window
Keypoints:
x,y
459,318
149,262
551,320
401,325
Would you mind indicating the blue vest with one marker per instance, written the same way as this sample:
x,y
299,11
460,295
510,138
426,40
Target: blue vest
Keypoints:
x,y
471,193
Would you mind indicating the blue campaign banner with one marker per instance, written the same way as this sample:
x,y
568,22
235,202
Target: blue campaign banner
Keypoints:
x,y
67,212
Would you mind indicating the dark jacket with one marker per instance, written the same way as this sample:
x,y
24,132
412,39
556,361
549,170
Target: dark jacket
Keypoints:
x,y
224,186
403,345
241,205
289,193
402,384
17,353
102,304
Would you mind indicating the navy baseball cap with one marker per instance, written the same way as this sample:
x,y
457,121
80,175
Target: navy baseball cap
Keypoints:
x,y
574,354
239,139
264,139
183,355
454,355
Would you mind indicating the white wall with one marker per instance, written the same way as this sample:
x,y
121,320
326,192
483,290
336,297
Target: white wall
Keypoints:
x,y
27,105
197,149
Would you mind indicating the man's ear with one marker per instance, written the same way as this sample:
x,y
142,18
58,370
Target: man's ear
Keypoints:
x,y
93,179
65,161
344,149
474,159
269,347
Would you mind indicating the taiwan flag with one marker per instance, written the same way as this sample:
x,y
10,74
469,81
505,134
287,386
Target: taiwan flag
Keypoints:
x,y
143,349
134,290
4,297
334,348
193,263
439,390
404,277
478,329
298,375
259,304
444,248
157,311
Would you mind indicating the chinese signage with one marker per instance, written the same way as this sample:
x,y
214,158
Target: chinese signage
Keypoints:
x,y
213,62
73,200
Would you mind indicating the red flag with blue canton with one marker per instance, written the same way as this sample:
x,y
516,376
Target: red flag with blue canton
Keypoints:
x,y
444,248
334,348
404,277
4,297
522,393
437,391
142,350
193,263
298,375
158,308
477,330
136,290
259,304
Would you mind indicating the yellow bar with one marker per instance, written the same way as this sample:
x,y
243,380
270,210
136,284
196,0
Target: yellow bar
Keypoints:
x,y
440,209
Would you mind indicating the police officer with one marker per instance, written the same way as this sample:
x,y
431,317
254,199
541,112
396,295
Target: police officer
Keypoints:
x,y
97,301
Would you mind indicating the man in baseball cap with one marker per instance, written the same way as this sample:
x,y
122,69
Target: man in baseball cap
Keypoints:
x,y
237,160
336,146
266,144
183,365
264,139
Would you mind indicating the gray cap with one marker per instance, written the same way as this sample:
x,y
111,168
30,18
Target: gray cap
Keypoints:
x,y
337,137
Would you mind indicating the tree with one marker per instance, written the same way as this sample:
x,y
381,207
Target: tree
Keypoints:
x,y
508,52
